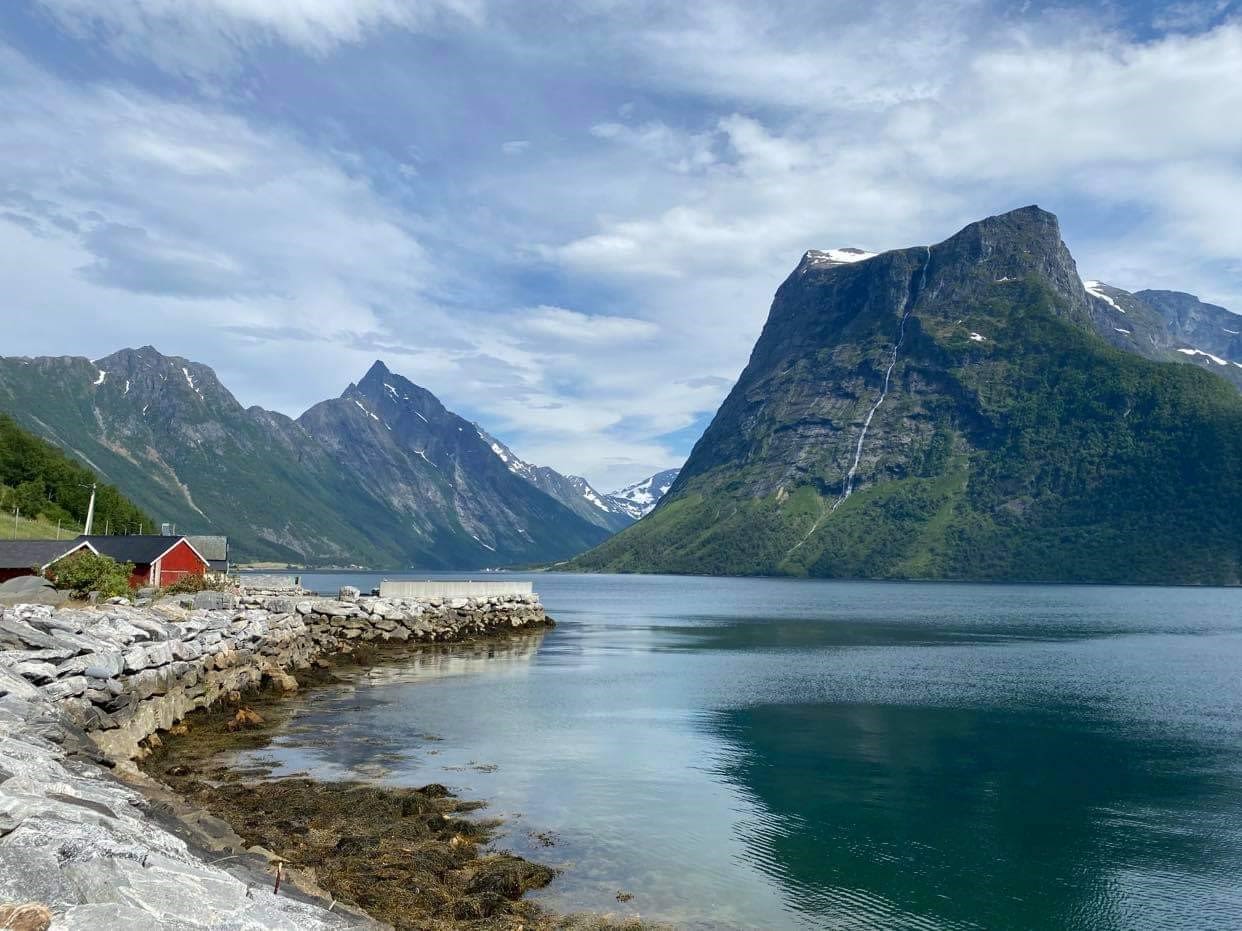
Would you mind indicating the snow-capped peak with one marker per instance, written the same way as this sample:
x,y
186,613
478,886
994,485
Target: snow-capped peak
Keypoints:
x,y
639,499
826,258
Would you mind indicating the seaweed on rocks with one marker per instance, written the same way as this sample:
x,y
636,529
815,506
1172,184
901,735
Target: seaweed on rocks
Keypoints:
x,y
409,857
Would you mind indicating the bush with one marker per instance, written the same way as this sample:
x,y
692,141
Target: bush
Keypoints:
x,y
83,573
193,584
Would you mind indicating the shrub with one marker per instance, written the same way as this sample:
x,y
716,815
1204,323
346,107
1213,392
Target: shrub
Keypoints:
x,y
193,584
84,572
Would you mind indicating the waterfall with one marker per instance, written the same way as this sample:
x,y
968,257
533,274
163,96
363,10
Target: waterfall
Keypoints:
x,y
911,298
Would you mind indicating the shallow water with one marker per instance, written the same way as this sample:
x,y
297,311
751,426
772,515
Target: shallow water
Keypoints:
x,y
793,754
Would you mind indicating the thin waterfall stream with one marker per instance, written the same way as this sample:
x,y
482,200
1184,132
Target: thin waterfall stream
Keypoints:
x,y
888,374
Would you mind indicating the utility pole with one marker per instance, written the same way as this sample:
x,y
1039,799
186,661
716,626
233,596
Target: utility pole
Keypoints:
x,y
16,513
90,512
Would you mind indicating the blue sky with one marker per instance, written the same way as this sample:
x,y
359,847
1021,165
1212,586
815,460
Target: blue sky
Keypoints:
x,y
568,219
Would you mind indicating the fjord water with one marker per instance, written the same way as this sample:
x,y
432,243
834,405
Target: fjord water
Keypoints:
x,y
762,753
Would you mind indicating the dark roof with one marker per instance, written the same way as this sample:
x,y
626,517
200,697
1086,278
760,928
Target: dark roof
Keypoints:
x,y
211,548
140,549
26,554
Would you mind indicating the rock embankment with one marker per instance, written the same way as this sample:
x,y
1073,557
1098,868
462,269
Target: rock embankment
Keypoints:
x,y
82,690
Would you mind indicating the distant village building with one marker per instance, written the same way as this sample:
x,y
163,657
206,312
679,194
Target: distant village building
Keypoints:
x,y
33,557
214,549
158,560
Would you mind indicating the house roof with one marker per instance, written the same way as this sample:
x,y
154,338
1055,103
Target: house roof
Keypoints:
x,y
211,548
140,549
29,554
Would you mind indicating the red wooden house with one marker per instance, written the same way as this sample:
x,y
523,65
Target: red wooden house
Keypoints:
x,y
33,557
158,560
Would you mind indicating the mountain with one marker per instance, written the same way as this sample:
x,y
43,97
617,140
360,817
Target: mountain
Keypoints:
x,y
459,503
1169,326
333,487
573,491
639,500
953,411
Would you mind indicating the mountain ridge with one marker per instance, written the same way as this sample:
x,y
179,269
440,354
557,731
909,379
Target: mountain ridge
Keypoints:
x,y
951,411
329,487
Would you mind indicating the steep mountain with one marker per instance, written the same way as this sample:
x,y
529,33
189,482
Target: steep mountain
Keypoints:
x,y
573,491
167,432
952,412
171,436
458,502
1169,326
639,500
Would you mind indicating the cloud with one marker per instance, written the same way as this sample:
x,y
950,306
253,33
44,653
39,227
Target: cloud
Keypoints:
x,y
199,36
557,323
342,181
1079,119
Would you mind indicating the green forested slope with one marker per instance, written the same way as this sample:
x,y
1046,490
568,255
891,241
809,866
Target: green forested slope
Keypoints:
x,y
48,487
1028,450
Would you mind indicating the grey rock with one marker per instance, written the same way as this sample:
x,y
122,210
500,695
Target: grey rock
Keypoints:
x,y
35,671
64,688
25,584
17,635
214,601
348,593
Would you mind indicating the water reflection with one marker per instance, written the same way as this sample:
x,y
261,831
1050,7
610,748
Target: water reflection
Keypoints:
x,y
328,736
752,753
920,817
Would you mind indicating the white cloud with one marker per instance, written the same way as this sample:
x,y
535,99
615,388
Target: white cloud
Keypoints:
x,y
1079,119
704,148
558,323
193,36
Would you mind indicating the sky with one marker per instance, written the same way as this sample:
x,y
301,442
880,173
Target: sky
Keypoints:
x,y
567,219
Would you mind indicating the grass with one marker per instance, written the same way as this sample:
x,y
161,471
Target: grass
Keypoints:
x,y
38,529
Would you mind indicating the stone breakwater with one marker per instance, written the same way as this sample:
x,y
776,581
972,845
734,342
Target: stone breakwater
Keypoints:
x,y
85,690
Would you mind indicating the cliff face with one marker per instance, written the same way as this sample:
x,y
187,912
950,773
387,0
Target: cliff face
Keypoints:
x,y
950,411
820,364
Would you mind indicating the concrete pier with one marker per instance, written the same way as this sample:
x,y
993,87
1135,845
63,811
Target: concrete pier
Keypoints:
x,y
447,588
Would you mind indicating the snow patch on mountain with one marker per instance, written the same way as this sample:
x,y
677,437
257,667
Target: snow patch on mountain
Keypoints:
x,y
1200,351
640,499
827,258
1096,289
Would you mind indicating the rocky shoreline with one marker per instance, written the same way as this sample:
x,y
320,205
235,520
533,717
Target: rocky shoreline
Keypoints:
x,y
85,694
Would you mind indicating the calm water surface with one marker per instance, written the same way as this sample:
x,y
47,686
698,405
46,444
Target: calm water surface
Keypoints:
x,y
752,753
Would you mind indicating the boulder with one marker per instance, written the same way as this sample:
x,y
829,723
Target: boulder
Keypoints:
x,y
348,593
31,589
279,604
214,601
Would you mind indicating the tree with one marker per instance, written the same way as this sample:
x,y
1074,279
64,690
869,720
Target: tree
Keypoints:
x,y
31,497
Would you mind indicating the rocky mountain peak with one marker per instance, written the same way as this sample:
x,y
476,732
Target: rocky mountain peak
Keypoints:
x,y
394,397
169,381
